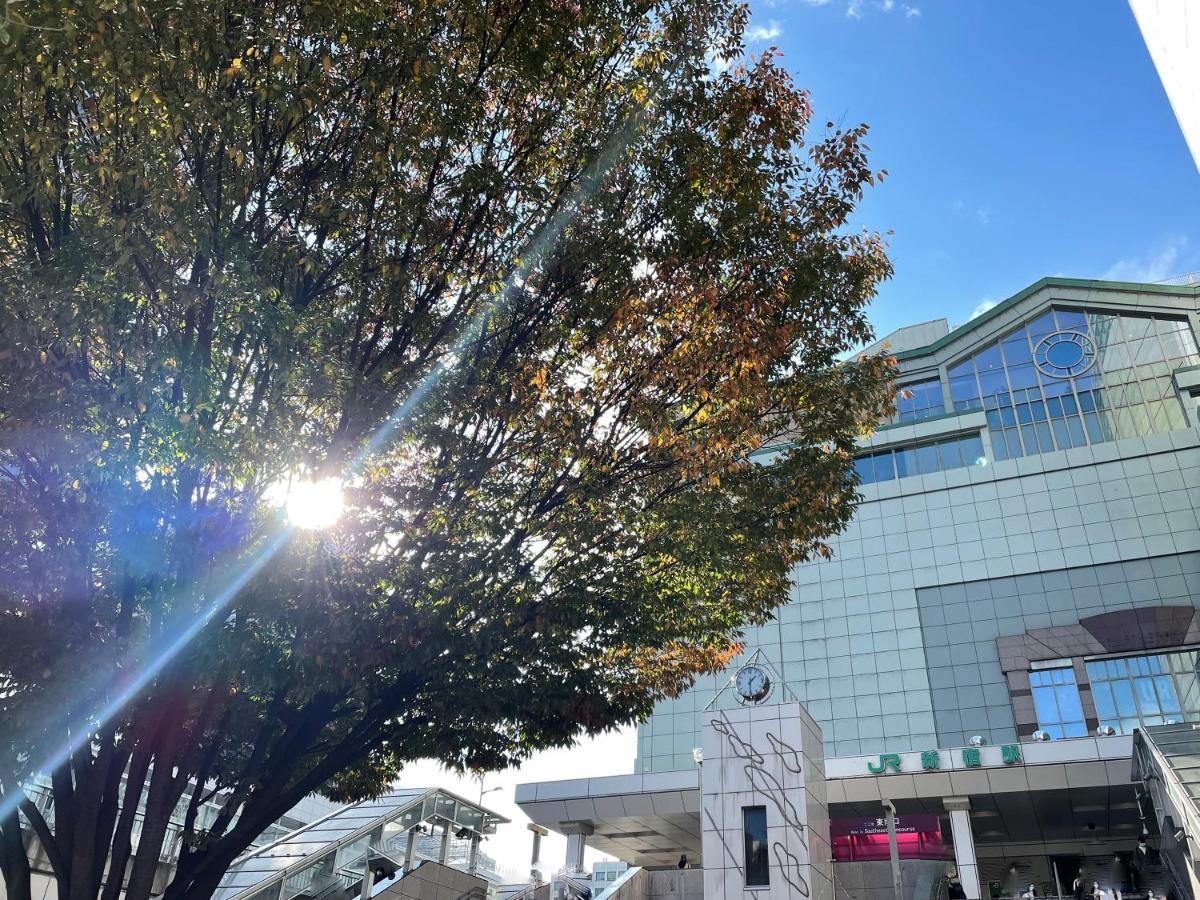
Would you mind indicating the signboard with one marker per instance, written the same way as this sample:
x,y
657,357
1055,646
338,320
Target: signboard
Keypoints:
x,y
936,760
918,836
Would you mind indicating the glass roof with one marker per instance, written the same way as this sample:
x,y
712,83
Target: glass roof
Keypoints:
x,y
333,851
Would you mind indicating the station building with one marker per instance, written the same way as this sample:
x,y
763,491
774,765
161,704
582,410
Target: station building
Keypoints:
x,y
1013,604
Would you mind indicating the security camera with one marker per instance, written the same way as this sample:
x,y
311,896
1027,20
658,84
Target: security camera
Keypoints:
x,y
977,740
1106,731
1040,735
698,756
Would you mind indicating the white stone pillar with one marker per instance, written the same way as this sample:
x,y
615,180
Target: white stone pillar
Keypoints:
x,y
444,849
964,844
577,834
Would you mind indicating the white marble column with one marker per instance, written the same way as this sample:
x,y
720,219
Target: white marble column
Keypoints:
x,y
964,844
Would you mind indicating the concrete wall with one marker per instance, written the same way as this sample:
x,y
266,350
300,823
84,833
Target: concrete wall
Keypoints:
x,y
769,756
675,884
1171,29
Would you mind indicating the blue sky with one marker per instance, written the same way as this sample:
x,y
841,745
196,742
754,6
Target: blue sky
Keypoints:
x,y
1022,138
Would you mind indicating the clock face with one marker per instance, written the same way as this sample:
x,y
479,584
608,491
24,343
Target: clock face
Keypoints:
x,y
752,684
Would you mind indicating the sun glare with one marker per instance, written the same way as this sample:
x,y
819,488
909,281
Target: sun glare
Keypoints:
x,y
313,505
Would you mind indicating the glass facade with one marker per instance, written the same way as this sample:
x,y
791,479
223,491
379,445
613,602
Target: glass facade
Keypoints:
x,y
1156,689
920,459
1056,700
919,400
1070,378
754,831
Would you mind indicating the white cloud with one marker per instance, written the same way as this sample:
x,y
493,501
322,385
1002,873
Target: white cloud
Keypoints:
x,y
717,64
815,2
1158,265
982,307
983,216
855,9
760,33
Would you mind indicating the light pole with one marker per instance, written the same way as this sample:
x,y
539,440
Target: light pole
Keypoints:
x,y
488,791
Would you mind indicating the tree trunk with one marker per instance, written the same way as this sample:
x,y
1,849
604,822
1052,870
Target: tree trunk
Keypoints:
x,y
122,842
165,791
15,862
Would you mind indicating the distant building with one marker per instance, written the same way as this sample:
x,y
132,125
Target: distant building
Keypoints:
x,y
1014,599
1171,29
604,874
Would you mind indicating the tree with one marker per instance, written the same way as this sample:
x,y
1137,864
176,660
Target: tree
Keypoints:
x,y
535,278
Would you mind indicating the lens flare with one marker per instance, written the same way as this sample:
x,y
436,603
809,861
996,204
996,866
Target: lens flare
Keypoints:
x,y
314,505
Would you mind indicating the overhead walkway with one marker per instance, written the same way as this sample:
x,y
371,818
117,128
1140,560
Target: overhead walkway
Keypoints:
x,y
1166,760
358,850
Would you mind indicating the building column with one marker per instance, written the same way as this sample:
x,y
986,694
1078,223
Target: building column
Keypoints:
x,y
964,844
894,850
368,882
409,848
577,835
444,850
473,860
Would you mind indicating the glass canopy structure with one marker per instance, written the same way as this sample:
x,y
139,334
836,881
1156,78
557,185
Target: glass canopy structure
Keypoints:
x,y
329,859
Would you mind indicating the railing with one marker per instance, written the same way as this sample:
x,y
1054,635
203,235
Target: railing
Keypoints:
x,y
1187,279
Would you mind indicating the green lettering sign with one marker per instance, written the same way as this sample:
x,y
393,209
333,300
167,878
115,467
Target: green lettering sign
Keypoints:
x,y
1011,754
971,757
931,759
886,761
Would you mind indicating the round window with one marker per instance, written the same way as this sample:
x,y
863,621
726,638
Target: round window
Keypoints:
x,y
1064,354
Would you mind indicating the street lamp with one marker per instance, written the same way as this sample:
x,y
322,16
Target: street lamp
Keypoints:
x,y
488,791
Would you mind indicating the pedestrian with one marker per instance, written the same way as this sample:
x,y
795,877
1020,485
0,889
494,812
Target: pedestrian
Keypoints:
x,y
683,862
1012,881
1079,888
1118,876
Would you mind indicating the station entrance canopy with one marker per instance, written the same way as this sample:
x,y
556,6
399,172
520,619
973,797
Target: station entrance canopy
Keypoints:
x,y
1076,790
332,856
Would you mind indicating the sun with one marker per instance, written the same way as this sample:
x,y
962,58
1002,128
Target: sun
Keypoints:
x,y
313,505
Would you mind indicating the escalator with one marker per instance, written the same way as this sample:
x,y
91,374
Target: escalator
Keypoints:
x,y
1166,761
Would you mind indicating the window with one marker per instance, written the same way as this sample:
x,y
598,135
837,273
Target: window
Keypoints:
x,y
920,400
754,831
1070,378
1155,689
899,462
1056,701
